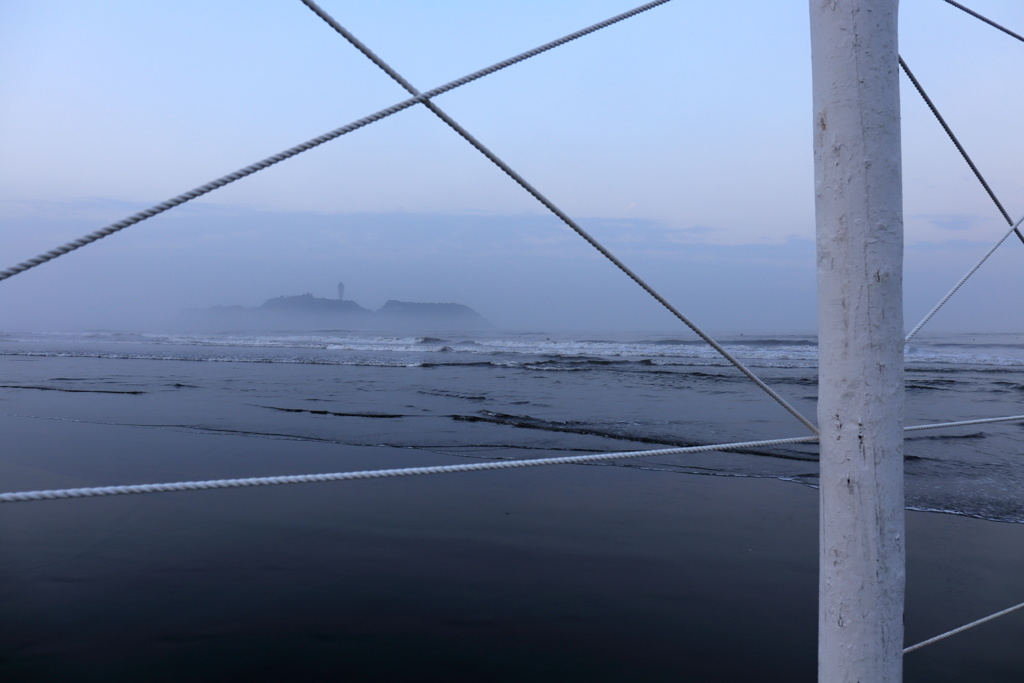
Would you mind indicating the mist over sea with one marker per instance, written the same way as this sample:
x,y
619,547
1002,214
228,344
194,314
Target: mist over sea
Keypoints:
x,y
626,570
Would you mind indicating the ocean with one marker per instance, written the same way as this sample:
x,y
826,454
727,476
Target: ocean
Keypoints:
x,y
531,395
565,573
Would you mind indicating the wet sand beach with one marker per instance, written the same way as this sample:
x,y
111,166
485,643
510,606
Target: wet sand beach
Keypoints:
x,y
596,573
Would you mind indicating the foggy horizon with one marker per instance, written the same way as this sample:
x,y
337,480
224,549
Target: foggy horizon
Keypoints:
x,y
661,154
519,272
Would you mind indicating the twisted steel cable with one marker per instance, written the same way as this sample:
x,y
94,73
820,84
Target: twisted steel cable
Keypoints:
x,y
1013,229
93,492
308,145
98,491
986,20
548,204
960,147
963,628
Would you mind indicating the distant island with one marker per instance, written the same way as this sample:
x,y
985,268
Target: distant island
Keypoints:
x,y
306,312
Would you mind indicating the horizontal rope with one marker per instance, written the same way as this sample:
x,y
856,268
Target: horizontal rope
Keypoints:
x,y
93,492
1014,228
966,423
564,217
963,628
305,146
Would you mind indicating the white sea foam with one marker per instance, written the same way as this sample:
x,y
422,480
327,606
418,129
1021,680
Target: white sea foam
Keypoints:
x,y
789,351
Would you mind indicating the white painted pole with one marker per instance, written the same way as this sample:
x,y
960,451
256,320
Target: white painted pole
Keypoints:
x,y
858,191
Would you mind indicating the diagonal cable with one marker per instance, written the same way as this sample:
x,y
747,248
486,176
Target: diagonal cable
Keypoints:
x,y
963,628
200,191
960,148
964,279
309,144
986,20
554,209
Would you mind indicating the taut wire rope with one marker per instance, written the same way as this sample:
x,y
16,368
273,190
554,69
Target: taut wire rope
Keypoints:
x,y
960,148
1014,228
93,492
96,491
965,423
963,628
308,145
548,204
424,98
986,20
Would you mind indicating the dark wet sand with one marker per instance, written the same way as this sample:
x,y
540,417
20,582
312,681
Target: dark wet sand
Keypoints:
x,y
590,573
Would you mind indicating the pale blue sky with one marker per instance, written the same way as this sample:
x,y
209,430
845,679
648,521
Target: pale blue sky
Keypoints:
x,y
680,136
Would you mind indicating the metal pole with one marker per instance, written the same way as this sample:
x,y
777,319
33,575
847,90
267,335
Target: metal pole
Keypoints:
x,y
858,193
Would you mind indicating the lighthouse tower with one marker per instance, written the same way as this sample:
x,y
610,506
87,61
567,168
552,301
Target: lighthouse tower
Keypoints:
x,y
341,291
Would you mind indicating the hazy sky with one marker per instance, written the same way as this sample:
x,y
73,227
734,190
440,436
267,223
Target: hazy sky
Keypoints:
x,y
680,137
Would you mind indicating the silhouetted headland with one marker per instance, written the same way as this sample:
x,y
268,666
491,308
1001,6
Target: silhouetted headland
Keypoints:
x,y
308,312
